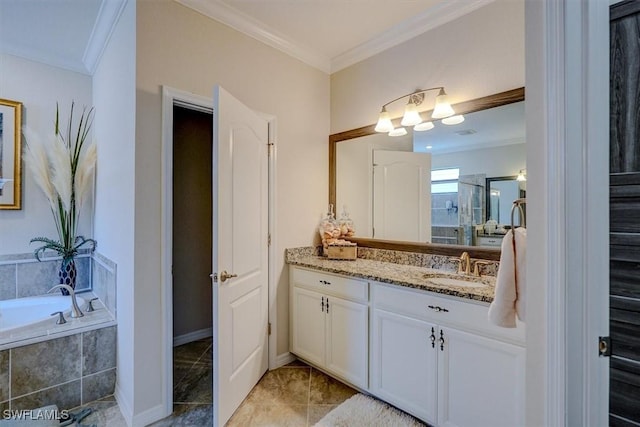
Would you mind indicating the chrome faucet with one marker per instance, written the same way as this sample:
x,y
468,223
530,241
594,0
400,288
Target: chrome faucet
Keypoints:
x,y
465,264
75,310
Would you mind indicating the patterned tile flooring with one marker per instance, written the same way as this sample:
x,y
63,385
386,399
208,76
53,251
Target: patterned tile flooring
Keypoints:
x,y
294,395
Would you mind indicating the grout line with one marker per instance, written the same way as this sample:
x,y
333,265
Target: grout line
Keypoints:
x,y
309,398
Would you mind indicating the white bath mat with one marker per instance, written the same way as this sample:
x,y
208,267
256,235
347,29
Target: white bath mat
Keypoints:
x,y
365,411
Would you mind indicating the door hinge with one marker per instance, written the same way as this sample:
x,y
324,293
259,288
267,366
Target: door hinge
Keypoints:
x,y
604,346
269,328
269,239
269,148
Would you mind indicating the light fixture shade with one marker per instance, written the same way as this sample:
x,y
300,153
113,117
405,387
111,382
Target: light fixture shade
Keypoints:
x,y
411,116
443,108
398,132
384,122
423,126
453,120
522,176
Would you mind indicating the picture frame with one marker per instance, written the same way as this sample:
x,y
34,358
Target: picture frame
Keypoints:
x,y
10,155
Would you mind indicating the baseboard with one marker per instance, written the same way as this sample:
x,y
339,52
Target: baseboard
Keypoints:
x,y
149,416
192,336
140,420
125,408
283,359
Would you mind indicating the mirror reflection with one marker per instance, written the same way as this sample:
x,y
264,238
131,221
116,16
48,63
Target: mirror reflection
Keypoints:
x,y
433,186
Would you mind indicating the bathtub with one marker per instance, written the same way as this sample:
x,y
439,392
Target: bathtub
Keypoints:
x,y
16,314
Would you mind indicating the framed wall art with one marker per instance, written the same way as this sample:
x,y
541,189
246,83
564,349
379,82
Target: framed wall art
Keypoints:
x,y
10,154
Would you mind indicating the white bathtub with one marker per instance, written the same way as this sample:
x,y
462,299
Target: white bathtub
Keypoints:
x,y
18,313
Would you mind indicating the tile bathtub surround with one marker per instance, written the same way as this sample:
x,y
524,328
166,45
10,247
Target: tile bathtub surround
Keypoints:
x,y
103,280
440,262
4,376
66,371
21,275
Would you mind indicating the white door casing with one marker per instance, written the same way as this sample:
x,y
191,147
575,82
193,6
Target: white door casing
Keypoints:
x,y
402,195
240,236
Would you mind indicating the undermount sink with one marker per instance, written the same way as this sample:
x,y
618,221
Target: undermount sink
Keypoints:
x,y
449,281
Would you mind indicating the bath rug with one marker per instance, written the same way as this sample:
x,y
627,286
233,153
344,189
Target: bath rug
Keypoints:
x,y
365,411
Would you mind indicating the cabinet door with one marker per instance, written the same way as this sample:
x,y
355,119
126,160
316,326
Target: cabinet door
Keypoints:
x,y
308,325
404,363
347,340
481,381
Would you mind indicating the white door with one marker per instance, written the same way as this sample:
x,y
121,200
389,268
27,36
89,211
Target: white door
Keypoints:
x,y
347,340
240,231
402,195
480,383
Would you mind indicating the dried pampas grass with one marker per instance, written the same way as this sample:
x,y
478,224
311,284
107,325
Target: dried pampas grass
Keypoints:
x,y
61,178
84,173
37,159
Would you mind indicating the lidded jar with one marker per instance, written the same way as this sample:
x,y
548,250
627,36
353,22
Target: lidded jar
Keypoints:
x,y
346,224
329,230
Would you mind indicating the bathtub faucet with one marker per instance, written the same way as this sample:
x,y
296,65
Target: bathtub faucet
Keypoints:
x,y
75,310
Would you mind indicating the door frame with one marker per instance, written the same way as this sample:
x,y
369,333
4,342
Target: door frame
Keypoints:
x,y
567,57
171,96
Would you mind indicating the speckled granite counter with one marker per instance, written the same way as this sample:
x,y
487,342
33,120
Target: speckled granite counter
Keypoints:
x,y
411,276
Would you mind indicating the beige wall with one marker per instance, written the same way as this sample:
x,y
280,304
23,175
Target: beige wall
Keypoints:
x,y
39,87
185,50
476,55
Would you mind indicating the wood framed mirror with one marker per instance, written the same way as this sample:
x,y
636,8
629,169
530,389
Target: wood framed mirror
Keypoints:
x,y
464,108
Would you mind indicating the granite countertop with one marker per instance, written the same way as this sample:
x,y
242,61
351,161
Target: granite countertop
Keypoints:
x,y
402,275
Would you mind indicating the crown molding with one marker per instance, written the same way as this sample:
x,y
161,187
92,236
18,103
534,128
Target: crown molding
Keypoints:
x,y
406,30
106,21
250,26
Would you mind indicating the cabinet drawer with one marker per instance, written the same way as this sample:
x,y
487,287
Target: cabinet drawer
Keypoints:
x,y
469,316
331,284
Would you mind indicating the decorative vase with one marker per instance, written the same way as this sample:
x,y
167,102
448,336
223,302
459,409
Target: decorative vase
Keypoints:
x,y
68,274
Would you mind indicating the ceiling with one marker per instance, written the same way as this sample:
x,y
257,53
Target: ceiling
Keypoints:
x,y
327,34
494,127
69,34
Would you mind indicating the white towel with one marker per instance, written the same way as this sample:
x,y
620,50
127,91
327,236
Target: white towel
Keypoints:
x,y
509,299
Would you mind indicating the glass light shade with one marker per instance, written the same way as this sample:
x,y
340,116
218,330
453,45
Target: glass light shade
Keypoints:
x,y
384,122
522,175
398,132
411,116
443,108
453,120
423,126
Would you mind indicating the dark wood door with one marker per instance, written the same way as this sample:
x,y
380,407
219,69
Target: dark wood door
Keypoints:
x,y
624,385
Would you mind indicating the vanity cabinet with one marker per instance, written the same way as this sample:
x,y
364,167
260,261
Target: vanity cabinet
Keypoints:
x,y
330,323
441,361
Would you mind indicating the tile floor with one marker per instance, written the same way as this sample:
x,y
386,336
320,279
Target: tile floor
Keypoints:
x,y
294,395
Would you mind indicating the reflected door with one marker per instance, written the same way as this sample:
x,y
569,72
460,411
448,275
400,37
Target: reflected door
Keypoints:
x,y
402,196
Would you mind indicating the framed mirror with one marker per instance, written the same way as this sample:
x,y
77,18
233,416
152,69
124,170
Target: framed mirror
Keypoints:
x,y
500,194
453,222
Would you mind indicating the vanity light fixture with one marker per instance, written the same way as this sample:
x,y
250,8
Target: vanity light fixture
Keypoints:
x,y
522,175
442,109
423,126
453,120
398,132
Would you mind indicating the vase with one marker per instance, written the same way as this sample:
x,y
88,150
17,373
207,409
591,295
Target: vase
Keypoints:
x,y
68,274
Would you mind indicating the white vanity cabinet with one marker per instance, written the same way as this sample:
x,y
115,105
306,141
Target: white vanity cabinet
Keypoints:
x,y
440,360
330,323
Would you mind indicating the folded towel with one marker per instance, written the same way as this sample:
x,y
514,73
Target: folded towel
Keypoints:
x,y
510,290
